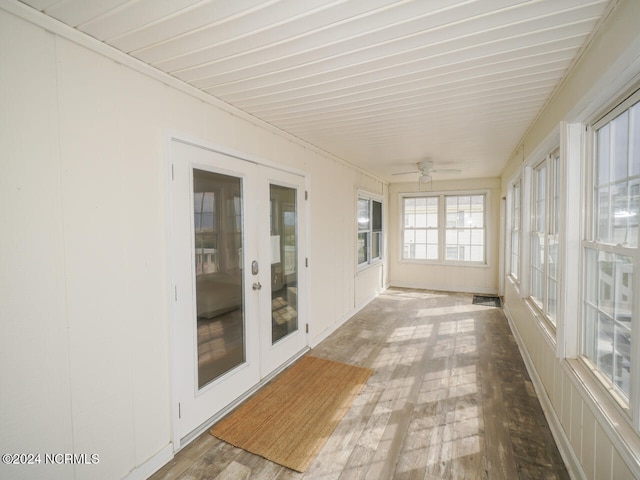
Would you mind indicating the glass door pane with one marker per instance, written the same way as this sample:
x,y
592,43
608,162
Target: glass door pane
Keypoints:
x,y
284,261
218,235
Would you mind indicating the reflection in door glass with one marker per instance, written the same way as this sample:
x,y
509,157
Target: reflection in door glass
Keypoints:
x,y
218,267
284,262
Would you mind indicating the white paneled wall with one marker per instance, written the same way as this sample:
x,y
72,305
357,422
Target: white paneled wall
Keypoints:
x,y
84,306
35,396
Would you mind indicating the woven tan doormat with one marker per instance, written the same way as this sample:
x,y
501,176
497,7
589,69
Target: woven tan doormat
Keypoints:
x,y
289,419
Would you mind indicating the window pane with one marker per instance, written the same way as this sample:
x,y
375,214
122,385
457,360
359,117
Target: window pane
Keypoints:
x,y
409,236
376,216
284,262
537,266
554,212
620,147
552,278
452,253
420,214
589,339
363,214
634,141
540,199
363,247
465,222
608,311
622,358
452,219
603,215
464,236
376,245
633,211
476,219
432,211
515,231
476,253
602,167
218,235
604,348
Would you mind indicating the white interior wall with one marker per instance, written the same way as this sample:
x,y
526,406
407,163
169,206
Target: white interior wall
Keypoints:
x,y
596,441
84,301
446,277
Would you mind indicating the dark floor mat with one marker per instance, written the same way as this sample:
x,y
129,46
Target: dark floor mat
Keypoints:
x,y
487,300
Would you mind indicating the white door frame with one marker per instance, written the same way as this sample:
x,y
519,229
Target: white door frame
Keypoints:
x,y
178,441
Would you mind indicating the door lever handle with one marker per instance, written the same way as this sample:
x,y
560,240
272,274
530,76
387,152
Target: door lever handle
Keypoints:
x,y
257,286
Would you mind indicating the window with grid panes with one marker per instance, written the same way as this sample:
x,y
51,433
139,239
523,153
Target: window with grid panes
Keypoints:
x,y
369,245
515,230
465,229
420,232
543,270
611,248
445,228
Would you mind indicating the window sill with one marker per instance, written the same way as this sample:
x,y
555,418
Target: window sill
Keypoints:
x,y
368,266
545,325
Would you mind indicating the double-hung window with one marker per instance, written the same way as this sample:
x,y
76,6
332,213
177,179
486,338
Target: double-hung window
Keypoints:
x,y
543,268
515,230
420,232
611,256
369,230
444,227
465,228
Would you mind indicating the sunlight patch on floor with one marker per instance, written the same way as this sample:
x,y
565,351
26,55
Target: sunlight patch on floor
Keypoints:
x,y
452,327
402,334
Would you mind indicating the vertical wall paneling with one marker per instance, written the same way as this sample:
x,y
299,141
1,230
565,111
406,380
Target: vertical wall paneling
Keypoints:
x,y
35,397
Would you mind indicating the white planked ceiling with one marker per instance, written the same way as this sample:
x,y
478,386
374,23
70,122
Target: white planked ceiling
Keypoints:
x,y
380,83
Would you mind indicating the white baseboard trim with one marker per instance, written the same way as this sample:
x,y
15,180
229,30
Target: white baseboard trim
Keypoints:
x,y
151,466
441,288
562,441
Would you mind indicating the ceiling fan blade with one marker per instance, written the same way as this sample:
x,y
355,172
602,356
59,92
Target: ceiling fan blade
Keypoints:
x,y
446,170
404,173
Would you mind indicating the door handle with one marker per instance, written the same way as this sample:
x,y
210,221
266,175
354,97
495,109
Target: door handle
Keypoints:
x,y
257,286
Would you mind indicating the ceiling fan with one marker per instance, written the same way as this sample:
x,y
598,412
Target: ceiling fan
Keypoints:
x,y
425,169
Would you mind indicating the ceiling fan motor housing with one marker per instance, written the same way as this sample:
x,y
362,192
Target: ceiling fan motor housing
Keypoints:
x,y
425,166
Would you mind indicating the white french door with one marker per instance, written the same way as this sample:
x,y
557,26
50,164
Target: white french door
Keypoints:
x,y
238,236
281,228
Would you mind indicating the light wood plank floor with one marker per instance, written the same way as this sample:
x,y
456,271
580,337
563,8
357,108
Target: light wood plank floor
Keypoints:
x,y
449,398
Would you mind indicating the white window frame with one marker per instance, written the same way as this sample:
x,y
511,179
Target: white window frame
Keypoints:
x,y
515,229
547,232
629,405
442,227
370,231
